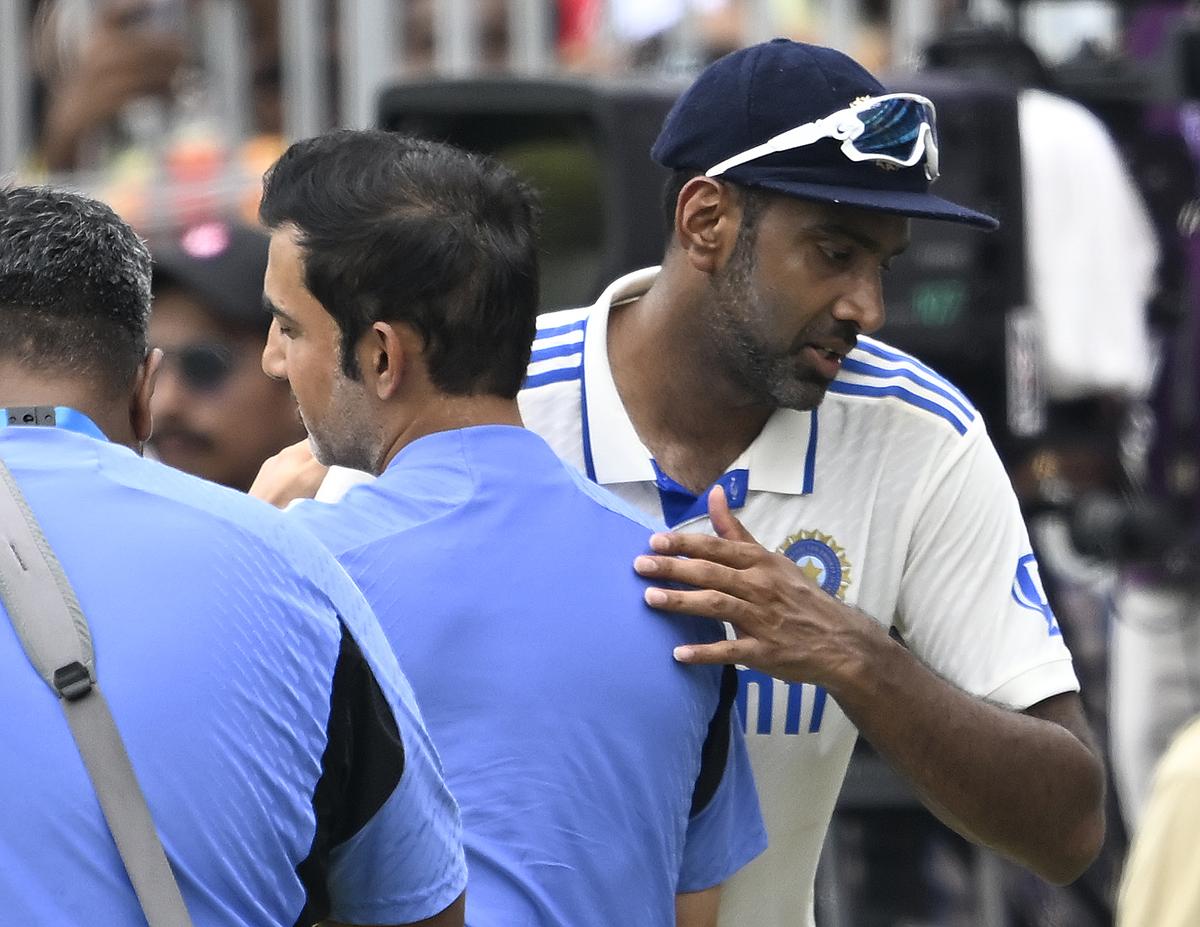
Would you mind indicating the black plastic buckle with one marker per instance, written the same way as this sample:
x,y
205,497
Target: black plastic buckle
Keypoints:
x,y
31,415
72,681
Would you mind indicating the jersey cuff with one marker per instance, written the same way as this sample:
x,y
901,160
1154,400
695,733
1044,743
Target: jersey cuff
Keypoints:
x,y
1035,684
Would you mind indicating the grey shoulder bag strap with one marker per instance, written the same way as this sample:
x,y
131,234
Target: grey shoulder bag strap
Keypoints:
x,y
45,612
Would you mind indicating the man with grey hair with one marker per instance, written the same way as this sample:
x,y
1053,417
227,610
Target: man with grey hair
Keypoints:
x,y
279,748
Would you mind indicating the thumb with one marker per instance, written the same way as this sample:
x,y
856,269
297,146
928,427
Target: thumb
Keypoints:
x,y
722,518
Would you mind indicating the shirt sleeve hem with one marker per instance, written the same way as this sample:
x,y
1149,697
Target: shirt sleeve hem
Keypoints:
x,y
751,847
416,906
1035,684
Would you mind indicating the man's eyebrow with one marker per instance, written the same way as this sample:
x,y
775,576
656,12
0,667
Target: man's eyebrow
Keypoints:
x,y
275,311
860,238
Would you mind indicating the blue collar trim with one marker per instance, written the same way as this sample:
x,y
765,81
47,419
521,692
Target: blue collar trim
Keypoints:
x,y
63,417
589,465
680,504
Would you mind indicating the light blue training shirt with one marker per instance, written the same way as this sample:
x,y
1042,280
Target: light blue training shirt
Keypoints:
x,y
279,747
597,777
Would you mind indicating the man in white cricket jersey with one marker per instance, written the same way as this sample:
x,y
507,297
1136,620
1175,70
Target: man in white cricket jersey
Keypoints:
x,y
735,386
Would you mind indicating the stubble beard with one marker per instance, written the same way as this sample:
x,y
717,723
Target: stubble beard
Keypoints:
x,y
346,437
775,379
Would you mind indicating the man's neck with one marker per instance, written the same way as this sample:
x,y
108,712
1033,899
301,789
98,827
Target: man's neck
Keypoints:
x,y
111,417
449,413
687,411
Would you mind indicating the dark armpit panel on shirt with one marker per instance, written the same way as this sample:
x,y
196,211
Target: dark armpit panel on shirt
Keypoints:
x,y
716,745
361,767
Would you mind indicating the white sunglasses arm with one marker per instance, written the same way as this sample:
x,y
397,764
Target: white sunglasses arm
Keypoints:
x,y
798,137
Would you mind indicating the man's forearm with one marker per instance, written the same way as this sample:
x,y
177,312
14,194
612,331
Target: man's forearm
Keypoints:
x,y
1025,784
698,909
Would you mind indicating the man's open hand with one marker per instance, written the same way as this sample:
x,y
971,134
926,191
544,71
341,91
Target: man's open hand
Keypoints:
x,y
786,625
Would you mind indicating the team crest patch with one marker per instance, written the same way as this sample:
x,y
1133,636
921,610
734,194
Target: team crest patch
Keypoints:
x,y
820,559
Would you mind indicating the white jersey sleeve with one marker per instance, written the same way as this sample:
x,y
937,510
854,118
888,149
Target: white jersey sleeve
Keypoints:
x,y
971,604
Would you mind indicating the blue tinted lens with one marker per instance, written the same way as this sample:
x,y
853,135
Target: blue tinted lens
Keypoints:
x,y
893,128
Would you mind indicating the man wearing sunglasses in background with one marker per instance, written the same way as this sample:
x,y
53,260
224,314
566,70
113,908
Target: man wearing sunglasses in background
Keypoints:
x,y
216,414
734,386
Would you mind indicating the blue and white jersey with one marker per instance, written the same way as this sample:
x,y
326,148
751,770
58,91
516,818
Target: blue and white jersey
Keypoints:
x,y
597,777
890,496
278,745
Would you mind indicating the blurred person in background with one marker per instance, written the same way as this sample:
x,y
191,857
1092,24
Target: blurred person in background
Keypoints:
x,y
1161,883
216,414
95,59
419,27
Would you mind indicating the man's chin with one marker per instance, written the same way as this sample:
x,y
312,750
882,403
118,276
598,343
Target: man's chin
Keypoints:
x,y
803,396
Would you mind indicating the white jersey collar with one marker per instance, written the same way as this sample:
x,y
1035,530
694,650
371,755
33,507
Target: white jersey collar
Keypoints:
x,y
781,459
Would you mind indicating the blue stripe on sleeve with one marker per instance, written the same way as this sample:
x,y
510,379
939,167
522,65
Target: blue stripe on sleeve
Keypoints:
x,y
857,366
544,333
899,357
551,376
561,350
899,392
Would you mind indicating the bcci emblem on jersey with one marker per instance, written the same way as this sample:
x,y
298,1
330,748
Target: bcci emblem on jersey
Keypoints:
x,y
820,559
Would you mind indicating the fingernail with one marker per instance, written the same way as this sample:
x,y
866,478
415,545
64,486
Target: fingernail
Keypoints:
x,y
660,542
645,564
656,597
682,654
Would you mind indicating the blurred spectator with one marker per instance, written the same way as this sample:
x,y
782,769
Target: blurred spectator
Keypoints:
x,y
1161,885
217,415
96,60
129,53
420,30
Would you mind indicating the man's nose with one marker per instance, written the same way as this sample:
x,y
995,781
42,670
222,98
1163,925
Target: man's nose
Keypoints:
x,y
274,361
863,303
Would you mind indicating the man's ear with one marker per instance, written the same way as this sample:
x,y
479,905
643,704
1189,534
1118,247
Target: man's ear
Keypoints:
x,y
140,419
707,217
386,355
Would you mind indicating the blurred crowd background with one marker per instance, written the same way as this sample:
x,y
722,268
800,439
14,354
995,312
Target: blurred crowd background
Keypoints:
x,y
1073,328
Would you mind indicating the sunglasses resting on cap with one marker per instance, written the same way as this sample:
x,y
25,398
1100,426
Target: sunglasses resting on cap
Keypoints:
x,y
896,128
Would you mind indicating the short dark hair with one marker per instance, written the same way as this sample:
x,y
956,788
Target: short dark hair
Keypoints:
x,y
74,287
400,229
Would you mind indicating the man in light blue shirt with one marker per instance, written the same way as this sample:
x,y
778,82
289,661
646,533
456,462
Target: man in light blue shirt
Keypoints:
x,y
599,780
279,747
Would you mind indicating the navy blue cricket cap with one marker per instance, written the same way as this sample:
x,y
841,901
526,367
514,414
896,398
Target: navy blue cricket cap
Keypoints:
x,y
756,93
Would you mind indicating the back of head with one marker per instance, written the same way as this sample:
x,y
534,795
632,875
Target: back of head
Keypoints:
x,y
74,289
405,230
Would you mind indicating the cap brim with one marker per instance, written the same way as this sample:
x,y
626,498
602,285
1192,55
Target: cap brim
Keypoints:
x,y
898,202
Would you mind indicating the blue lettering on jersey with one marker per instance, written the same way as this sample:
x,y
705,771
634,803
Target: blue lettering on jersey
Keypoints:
x,y
765,692
1028,592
